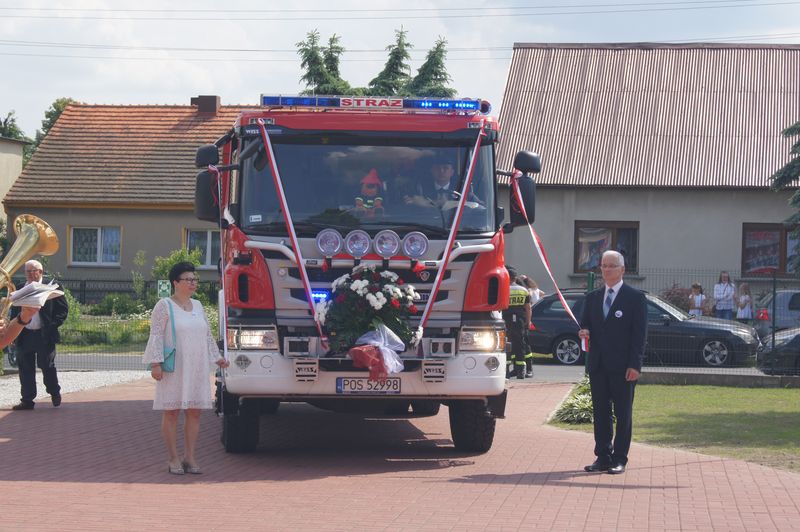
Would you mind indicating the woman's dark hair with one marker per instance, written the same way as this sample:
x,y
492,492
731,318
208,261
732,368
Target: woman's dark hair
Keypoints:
x,y
179,269
697,285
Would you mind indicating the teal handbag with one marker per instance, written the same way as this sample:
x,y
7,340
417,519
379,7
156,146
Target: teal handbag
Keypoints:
x,y
168,365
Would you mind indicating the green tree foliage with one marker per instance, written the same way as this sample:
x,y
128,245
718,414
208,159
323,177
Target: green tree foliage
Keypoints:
x,y
321,65
396,72
432,77
787,176
162,265
10,130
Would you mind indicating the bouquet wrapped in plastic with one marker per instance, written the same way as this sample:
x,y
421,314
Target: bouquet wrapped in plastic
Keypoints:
x,y
378,351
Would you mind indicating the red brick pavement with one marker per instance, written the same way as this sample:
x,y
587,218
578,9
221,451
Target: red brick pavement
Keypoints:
x,y
97,463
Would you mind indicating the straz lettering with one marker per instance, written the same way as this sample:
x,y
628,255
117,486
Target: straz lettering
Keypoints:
x,y
371,103
517,301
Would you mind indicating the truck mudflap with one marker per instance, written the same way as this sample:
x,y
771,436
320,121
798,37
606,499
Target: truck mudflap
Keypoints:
x,y
496,404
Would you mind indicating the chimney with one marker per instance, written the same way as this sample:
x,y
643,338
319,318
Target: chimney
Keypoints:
x,y
206,104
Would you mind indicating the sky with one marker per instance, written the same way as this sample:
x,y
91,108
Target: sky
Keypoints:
x,y
155,52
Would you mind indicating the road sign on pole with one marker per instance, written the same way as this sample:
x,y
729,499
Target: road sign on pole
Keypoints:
x,y
163,288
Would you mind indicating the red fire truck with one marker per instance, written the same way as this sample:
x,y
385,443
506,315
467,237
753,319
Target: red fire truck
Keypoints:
x,y
286,189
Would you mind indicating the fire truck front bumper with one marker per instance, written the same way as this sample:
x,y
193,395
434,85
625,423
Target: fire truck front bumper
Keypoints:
x,y
269,374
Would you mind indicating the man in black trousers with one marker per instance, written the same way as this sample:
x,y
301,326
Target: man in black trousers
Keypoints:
x,y
614,320
36,344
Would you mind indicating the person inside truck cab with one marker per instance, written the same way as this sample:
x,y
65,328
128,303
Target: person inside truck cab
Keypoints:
x,y
441,188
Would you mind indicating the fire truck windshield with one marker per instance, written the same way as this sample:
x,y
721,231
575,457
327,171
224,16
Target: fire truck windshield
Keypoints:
x,y
369,182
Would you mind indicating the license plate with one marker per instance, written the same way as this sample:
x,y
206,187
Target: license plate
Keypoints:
x,y
362,385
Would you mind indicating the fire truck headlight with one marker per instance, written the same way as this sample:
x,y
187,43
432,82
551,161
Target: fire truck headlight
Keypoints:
x,y
415,244
387,243
357,243
329,242
264,339
478,340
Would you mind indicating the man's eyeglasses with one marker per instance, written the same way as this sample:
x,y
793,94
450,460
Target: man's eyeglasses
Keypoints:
x,y
33,271
189,279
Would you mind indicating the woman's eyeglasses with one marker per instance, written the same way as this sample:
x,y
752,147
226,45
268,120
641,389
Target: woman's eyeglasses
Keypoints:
x,y
189,279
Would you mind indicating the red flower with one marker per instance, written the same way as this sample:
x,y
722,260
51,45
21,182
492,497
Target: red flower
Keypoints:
x,y
340,298
412,308
376,276
374,288
356,277
395,303
400,282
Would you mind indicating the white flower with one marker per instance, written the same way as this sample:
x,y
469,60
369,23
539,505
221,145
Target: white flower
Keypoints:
x,y
359,287
393,291
321,311
416,336
377,300
389,275
339,281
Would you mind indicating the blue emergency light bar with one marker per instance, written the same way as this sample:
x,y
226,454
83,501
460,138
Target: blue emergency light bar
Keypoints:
x,y
376,103
320,295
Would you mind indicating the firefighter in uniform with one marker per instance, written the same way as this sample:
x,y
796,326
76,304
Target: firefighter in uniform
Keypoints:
x,y
518,318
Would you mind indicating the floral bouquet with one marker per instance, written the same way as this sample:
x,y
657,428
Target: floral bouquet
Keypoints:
x,y
363,300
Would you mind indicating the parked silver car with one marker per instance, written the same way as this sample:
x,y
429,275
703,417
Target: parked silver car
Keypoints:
x,y
787,311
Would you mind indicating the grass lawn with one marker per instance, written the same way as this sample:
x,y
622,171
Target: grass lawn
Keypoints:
x,y
759,425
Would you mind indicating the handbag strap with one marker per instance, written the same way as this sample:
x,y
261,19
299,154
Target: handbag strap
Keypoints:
x,y
172,323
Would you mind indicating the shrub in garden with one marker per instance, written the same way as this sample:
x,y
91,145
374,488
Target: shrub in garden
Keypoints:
x,y
115,305
678,296
577,408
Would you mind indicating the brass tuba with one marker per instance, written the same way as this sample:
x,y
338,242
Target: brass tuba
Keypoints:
x,y
34,237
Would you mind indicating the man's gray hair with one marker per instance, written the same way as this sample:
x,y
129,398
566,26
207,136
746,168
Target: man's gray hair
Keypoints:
x,y
35,263
620,258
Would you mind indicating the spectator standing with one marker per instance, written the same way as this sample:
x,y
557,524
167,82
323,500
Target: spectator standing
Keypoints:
x,y
744,310
533,289
188,387
696,300
36,343
724,296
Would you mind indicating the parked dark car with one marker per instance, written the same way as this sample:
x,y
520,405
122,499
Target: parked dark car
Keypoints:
x,y
786,307
673,336
784,358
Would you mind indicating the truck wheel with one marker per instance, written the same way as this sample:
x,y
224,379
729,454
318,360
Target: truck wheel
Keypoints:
x,y
471,426
240,431
425,407
269,406
396,408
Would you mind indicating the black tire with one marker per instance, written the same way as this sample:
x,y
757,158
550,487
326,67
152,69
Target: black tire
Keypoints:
x,y
269,406
567,350
715,353
11,355
240,431
397,408
425,407
471,426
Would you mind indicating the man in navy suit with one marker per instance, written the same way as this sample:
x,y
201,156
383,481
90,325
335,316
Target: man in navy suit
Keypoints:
x,y
615,321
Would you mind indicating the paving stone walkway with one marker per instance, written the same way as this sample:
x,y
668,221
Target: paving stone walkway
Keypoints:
x,y
97,463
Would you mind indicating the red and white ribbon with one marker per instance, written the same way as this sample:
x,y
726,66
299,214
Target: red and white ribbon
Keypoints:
x,y
448,248
540,248
287,217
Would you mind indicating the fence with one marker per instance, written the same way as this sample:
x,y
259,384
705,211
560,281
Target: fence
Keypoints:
x,y
704,343
116,340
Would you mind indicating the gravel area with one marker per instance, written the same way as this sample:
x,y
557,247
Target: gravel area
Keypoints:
x,y
70,381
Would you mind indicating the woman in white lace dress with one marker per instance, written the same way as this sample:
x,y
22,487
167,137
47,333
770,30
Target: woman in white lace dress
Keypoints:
x,y
188,388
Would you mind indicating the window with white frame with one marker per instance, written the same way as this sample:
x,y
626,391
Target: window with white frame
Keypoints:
x,y
207,241
96,245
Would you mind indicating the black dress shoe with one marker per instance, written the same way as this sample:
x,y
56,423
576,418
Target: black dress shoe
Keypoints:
x,y
616,469
23,406
56,399
596,467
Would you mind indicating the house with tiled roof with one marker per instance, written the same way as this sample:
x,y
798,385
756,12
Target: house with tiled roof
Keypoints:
x,y
662,151
11,155
113,180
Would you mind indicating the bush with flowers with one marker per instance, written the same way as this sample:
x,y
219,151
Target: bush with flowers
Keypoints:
x,y
362,300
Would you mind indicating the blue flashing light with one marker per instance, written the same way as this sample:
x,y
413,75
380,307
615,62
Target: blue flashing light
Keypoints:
x,y
376,103
320,295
